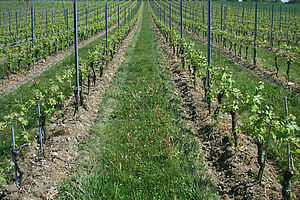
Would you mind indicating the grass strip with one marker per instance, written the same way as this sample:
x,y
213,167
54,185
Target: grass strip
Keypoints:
x,y
140,148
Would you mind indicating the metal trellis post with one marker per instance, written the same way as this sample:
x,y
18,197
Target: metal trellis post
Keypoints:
x,y
76,58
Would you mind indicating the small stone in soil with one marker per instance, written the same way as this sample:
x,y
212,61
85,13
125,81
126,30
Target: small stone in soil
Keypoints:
x,y
11,188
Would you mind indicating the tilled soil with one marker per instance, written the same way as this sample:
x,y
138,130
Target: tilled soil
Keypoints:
x,y
232,169
43,175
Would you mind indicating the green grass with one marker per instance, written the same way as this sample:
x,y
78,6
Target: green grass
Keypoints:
x,y
140,148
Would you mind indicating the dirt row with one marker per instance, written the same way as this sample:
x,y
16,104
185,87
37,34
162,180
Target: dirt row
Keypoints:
x,y
43,175
23,76
232,169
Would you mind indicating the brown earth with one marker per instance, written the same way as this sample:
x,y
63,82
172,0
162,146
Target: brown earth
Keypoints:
x,y
43,175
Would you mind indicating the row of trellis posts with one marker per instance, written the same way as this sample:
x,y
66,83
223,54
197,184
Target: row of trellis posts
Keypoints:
x,y
130,13
286,191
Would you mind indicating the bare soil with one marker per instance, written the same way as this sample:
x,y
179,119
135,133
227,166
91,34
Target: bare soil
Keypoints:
x,y
233,170
43,175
